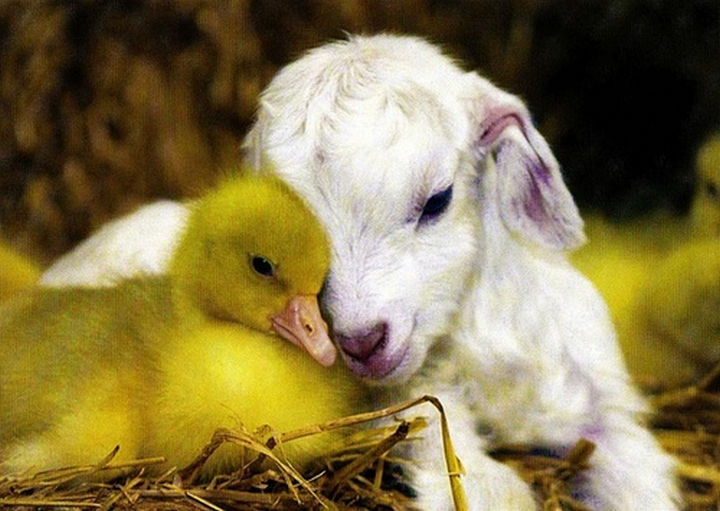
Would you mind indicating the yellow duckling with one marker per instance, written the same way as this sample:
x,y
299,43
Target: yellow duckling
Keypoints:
x,y
16,272
156,364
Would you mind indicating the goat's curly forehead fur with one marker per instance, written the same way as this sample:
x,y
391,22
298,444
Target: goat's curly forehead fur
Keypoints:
x,y
359,61
343,85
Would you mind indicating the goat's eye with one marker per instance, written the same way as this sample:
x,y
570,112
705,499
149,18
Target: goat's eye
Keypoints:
x,y
711,190
262,266
436,205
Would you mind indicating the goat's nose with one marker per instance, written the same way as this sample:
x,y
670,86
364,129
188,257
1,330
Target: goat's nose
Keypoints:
x,y
362,344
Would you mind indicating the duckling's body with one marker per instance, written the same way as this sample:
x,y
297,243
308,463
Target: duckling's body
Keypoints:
x,y
76,371
156,365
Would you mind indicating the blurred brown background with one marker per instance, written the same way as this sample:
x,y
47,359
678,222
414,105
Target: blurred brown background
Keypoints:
x,y
108,104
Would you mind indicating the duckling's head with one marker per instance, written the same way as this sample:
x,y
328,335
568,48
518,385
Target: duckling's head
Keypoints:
x,y
706,203
253,253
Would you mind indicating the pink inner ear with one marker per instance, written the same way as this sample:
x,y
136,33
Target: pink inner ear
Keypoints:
x,y
499,120
496,123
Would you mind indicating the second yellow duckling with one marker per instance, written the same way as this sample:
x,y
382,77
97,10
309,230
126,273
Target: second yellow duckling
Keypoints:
x,y
156,364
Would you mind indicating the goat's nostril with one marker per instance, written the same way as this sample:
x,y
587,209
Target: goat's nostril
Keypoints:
x,y
364,343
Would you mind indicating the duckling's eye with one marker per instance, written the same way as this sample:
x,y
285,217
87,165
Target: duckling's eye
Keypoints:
x,y
711,190
436,205
262,266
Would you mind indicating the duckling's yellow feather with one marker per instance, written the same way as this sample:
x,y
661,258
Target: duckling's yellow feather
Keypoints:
x,y
248,380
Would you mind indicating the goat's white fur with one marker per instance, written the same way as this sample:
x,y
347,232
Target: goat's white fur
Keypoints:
x,y
140,243
483,309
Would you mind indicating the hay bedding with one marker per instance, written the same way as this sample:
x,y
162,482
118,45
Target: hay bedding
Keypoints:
x,y
362,473
688,425
365,473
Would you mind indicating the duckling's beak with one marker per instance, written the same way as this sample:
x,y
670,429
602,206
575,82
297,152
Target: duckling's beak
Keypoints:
x,y
301,324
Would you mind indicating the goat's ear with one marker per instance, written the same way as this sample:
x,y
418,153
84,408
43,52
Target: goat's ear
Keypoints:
x,y
532,198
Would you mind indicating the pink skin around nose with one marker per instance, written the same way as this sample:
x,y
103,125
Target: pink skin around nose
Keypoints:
x,y
366,352
363,344
301,324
